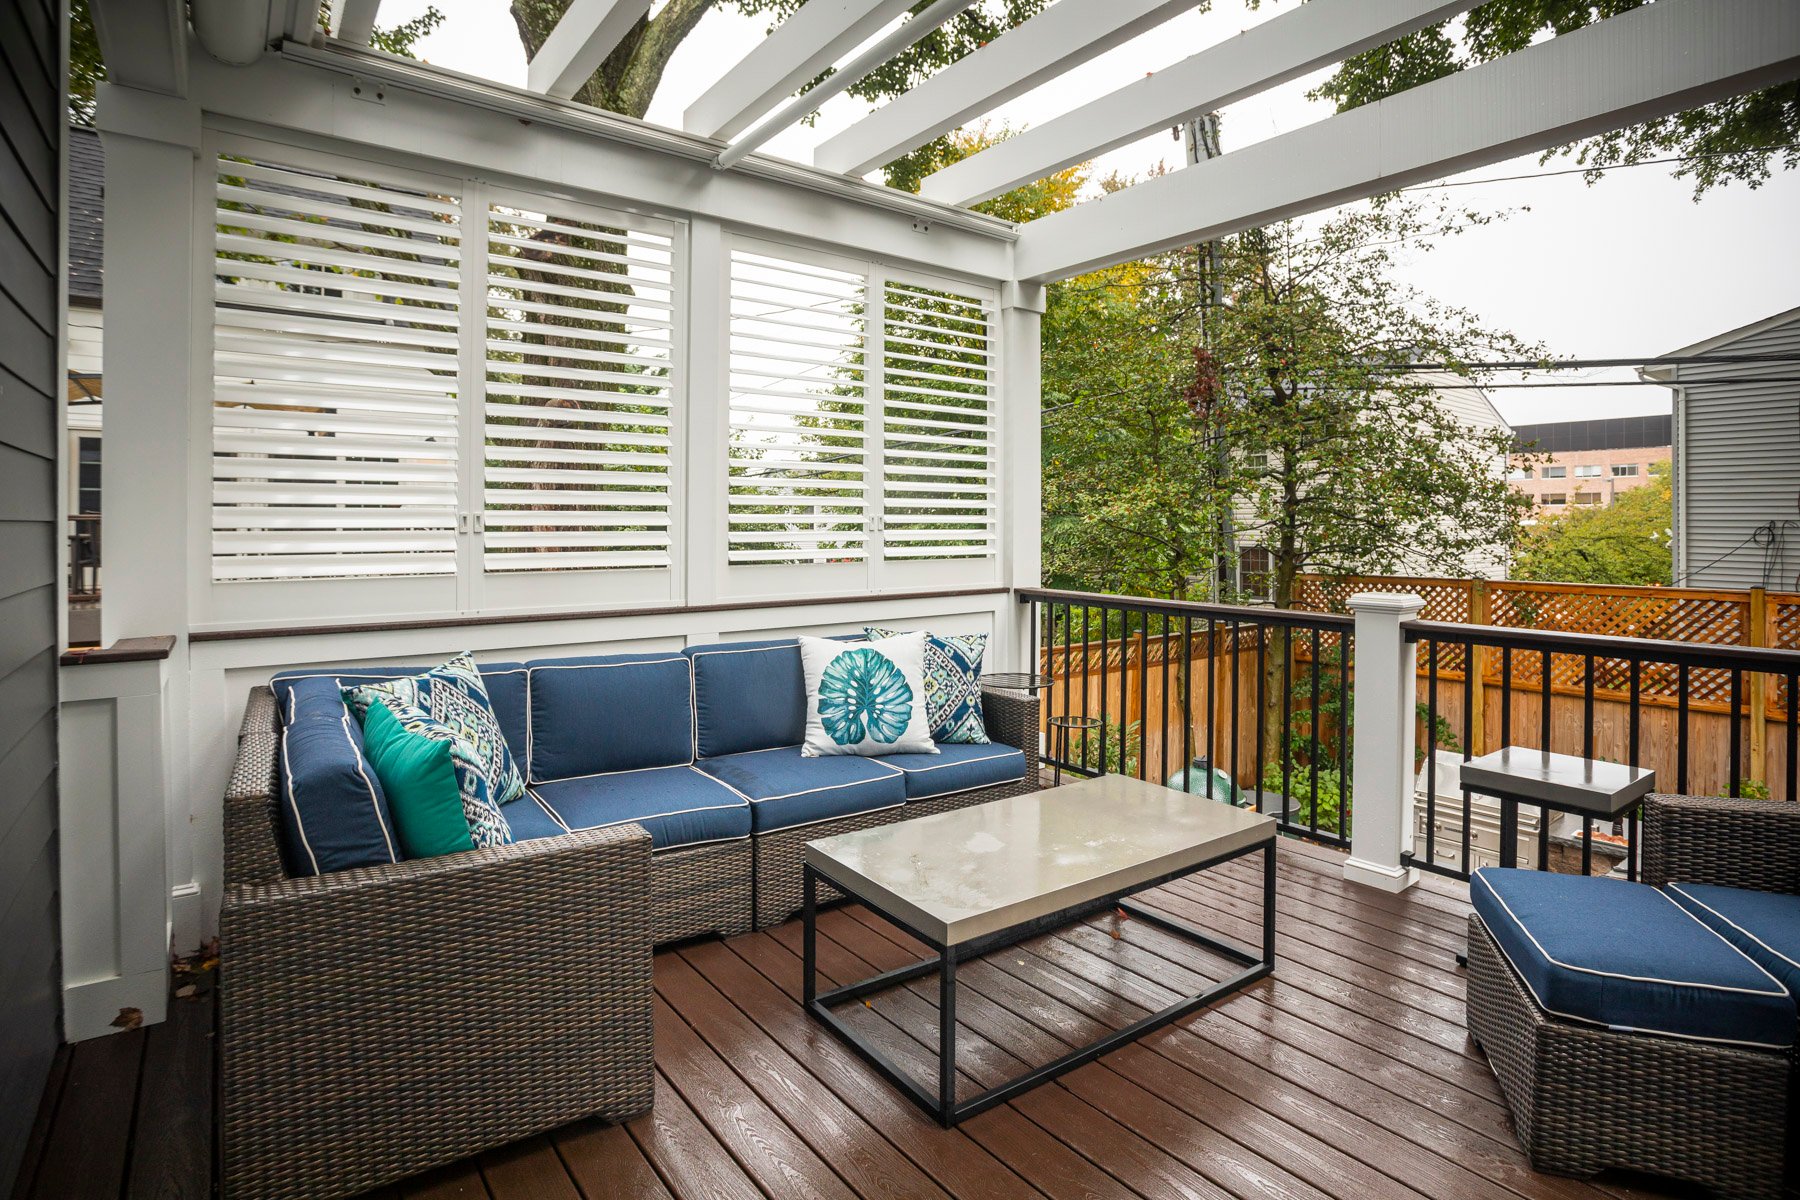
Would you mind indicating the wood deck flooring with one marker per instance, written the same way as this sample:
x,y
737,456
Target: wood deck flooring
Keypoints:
x,y
1346,1075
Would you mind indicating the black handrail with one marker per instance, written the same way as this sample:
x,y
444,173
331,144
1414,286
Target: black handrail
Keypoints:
x,y
1246,613
1692,654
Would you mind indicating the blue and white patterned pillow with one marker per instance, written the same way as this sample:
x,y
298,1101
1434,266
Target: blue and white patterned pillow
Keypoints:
x,y
454,696
488,826
952,684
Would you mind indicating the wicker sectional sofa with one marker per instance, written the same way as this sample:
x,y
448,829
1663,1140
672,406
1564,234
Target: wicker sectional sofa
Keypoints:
x,y
380,1020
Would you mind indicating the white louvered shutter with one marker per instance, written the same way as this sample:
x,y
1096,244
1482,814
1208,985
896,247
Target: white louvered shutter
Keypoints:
x,y
335,365
938,421
798,461
580,390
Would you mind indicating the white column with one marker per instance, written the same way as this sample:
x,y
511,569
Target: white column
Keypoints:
x,y
705,419
1021,526
1382,770
157,379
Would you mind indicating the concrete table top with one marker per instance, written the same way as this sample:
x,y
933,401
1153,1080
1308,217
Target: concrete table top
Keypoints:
x,y
961,875
1564,781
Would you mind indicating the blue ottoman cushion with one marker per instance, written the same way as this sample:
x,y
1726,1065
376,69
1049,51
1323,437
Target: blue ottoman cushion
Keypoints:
x,y
607,713
680,806
786,790
1628,957
957,768
333,813
1765,926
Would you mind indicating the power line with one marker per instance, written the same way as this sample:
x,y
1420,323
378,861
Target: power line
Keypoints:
x,y
1648,162
1571,364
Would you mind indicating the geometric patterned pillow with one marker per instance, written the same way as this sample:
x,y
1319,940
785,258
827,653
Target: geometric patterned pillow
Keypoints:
x,y
952,684
488,826
453,696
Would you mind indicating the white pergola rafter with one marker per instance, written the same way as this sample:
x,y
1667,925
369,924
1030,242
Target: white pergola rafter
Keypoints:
x,y
588,31
845,77
1265,56
356,21
144,43
815,37
1643,64
1063,36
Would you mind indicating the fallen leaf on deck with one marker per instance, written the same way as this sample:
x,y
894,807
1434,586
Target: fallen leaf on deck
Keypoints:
x,y
128,1018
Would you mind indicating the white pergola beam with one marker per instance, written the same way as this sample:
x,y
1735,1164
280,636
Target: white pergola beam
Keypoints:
x,y
144,43
902,36
588,32
355,21
1650,62
1268,55
814,38
1063,36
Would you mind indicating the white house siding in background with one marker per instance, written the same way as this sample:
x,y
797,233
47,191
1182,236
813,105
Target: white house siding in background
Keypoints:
x,y
1737,458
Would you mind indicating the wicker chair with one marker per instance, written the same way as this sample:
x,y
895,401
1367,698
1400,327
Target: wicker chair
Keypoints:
x,y
375,1023
1584,1098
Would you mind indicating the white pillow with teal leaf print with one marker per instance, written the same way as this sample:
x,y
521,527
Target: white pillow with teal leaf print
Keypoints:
x,y
865,698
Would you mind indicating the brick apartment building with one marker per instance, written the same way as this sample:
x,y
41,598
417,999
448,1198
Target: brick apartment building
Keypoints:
x,y
1589,462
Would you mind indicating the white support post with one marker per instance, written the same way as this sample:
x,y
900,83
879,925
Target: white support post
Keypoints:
x,y
707,418
1382,770
158,356
1021,492
113,803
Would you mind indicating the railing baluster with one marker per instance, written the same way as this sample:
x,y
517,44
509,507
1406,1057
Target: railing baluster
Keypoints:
x,y
1287,721
1343,737
1187,703
1231,763
1212,701
1547,666
1587,752
1312,734
1793,733
1105,682
1164,775
1087,683
1068,624
1681,728
1431,692
1468,742
1143,693
1506,697
1262,724
1634,717
1735,772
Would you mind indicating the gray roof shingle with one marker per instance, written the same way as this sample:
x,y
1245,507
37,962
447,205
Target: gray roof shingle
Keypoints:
x,y
87,207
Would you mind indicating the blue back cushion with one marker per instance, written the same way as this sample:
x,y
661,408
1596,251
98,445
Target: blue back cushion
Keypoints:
x,y
333,814
504,681
613,712
748,696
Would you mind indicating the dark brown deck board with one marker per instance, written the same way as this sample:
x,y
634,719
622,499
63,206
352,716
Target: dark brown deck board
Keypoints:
x,y
1348,1074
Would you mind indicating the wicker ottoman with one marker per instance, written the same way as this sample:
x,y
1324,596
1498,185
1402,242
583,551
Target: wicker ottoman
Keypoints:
x,y
1585,1098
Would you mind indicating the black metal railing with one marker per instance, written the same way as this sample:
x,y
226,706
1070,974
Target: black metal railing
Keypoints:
x,y
1699,715
1249,705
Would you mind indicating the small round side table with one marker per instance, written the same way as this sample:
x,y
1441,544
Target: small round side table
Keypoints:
x,y
1061,726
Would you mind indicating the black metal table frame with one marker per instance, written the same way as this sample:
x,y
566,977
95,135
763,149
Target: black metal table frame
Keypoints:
x,y
944,1105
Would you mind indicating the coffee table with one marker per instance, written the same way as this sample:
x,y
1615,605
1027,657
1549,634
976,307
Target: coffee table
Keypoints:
x,y
970,881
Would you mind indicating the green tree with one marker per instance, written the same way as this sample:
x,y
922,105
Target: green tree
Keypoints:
x,y
1626,542
1740,138
628,78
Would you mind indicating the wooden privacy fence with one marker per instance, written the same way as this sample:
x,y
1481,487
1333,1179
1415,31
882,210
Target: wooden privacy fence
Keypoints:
x,y
1753,617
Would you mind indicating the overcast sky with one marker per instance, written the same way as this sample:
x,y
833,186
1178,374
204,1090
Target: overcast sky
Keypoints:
x,y
1630,267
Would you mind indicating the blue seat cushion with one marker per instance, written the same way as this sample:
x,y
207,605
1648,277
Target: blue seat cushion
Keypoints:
x,y
748,696
333,813
1765,926
1628,957
786,790
957,768
608,713
680,806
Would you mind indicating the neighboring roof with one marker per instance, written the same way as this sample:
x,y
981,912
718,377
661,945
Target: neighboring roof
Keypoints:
x,y
87,207
1611,433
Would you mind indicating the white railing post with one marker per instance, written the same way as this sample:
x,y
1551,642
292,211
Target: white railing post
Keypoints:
x,y
1382,769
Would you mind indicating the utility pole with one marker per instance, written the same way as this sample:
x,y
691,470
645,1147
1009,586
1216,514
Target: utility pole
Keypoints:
x,y
1201,137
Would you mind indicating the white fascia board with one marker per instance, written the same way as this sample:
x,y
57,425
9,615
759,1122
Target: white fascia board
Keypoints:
x,y
588,32
1647,63
1063,36
814,38
144,43
1265,56
356,21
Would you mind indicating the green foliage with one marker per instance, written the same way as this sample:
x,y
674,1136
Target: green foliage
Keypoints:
x,y
1627,542
1330,791
1122,748
1735,139
1752,789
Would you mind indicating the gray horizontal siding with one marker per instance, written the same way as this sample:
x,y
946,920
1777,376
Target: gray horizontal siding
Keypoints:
x,y
31,129
1741,467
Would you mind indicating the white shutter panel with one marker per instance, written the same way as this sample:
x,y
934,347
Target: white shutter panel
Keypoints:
x,y
798,458
334,376
580,333
938,370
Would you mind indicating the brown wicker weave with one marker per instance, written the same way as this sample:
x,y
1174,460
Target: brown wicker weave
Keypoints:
x,y
1585,1099
701,890
1012,718
1735,843
374,1023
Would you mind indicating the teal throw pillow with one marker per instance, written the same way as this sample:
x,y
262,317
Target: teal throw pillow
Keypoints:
x,y
488,826
420,783
952,684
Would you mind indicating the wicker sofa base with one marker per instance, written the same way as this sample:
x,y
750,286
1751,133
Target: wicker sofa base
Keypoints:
x,y
778,854
701,890
1584,1098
